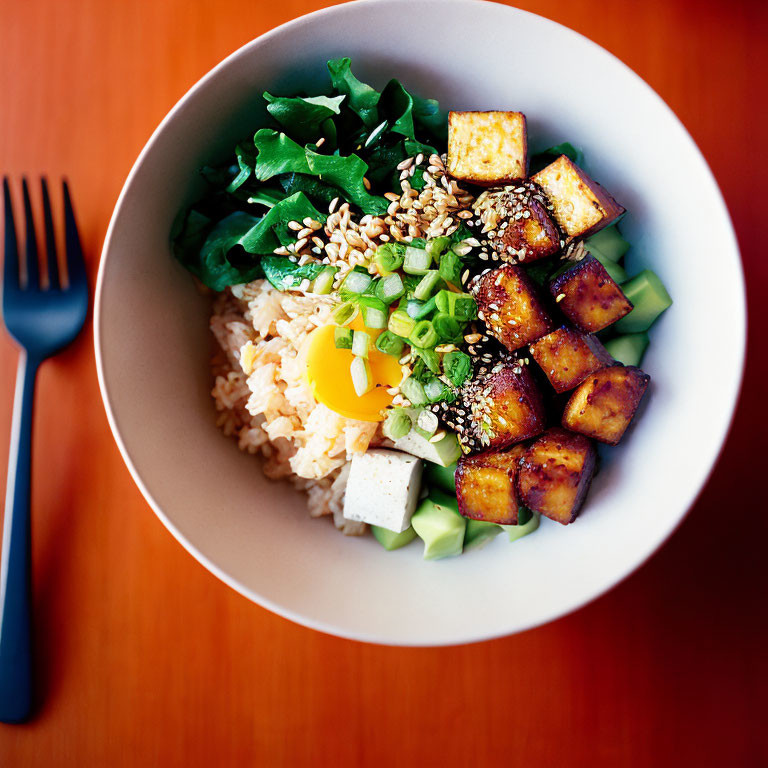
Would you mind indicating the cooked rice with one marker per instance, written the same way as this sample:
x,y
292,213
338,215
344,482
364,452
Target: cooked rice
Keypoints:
x,y
264,401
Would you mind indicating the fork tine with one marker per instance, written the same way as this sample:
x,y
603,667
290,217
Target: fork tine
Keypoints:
x,y
30,247
11,265
50,238
74,251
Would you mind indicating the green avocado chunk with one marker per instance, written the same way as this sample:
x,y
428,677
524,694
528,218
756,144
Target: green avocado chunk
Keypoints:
x,y
615,271
441,529
479,533
628,349
609,242
518,531
650,298
443,478
391,540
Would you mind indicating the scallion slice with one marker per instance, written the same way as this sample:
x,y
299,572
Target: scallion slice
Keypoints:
x,y
390,344
397,424
389,257
450,268
458,367
423,335
427,422
459,305
362,380
400,323
390,288
416,261
427,285
345,313
437,246
323,283
448,328
342,337
426,309
414,391
355,284
374,312
361,343
430,357
435,390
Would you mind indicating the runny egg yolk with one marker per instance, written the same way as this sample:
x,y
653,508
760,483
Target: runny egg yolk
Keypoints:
x,y
328,373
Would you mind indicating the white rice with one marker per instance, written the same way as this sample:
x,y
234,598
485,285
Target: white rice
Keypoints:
x,y
264,400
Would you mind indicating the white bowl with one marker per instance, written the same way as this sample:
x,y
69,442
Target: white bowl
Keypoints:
x,y
152,343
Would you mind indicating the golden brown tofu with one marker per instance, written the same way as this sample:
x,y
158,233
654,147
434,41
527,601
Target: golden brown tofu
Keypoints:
x,y
516,223
604,405
581,206
487,148
485,485
508,304
568,356
497,408
587,295
555,472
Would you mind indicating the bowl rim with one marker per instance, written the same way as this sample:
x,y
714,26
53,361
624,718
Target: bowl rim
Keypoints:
x,y
467,636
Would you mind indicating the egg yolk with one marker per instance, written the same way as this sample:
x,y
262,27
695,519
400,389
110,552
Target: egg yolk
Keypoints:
x,y
328,373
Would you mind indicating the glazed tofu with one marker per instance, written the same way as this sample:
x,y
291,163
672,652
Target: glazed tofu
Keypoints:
x,y
587,295
509,305
554,474
517,223
485,486
567,356
603,406
581,206
487,148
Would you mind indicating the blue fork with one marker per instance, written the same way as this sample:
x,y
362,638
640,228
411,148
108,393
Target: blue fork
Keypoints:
x,y
43,317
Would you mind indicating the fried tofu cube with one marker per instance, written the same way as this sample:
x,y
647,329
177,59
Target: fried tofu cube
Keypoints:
x,y
554,474
487,148
485,485
581,206
604,405
517,224
567,356
588,296
509,305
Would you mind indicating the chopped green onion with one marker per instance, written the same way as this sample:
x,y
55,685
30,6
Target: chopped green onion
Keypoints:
x,y
450,268
448,328
423,334
355,284
323,283
416,261
345,313
361,375
389,257
401,324
413,306
342,337
397,424
413,390
427,422
390,344
435,390
430,357
458,367
361,343
437,246
374,311
427,285
426,309
390,288
459,305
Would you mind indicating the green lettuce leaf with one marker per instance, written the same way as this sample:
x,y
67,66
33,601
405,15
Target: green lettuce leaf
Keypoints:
x,y
361,98
277,154
272,230
303,117
285,274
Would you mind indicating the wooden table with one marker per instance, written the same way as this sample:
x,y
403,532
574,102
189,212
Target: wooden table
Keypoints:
x,y
145,659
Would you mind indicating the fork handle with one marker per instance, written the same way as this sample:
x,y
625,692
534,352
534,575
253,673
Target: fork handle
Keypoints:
x,y
15,570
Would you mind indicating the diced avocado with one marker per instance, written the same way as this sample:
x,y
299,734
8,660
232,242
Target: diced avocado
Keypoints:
x,y
615,271
479,533
391,540
440,528
443,452
650,299
518,531
628,349
440,477
447,500
609,242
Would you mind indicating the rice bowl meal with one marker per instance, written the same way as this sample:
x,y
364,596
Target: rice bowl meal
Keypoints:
x,y
418,322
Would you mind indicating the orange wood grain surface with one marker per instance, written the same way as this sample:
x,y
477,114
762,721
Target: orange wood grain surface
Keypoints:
x,y
145,659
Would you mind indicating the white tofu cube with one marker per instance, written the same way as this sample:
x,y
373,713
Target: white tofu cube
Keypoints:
x,y
383,489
